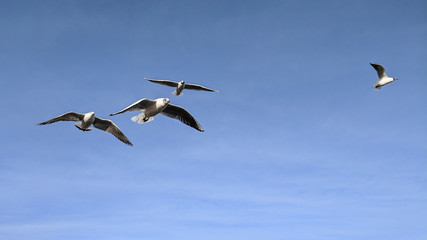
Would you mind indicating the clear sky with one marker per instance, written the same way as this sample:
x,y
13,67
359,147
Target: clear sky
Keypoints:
x,y
297,146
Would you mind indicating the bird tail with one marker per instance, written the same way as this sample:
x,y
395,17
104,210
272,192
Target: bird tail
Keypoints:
x,y
176,94
377,87
79,126
140,118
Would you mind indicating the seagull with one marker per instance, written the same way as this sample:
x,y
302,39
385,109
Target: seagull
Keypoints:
x,y
151,108
384,79
180,86
86,122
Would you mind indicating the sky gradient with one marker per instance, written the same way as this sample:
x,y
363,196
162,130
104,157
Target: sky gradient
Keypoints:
x,y
297,146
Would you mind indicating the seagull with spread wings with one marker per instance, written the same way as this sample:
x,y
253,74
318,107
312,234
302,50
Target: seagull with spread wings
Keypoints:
x,y
180,86
85,122
151,108
384,79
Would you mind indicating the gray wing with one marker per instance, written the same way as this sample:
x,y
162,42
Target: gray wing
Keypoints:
x,y
110,127
198,87
70,116
182,115
380,70
163,82
139,105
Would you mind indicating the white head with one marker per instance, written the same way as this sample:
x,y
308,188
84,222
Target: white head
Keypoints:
x,y
182,82
162,102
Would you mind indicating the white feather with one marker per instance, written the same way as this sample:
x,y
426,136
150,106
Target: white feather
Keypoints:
x,y
140,118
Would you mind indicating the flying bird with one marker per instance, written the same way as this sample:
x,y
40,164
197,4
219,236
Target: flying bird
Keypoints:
x,y
151,108
384,79
180,86
87,120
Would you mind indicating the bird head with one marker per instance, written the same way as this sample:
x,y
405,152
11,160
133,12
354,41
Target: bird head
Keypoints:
x,y
182,82
166,100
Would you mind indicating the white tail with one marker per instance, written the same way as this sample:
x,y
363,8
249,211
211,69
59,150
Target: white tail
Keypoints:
x,y
79,126
140,119
377,86
180,94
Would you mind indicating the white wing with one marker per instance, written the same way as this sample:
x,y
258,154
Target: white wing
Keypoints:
x,y
163,82
380,70
70,116
139,105
110,127
198,87
182,115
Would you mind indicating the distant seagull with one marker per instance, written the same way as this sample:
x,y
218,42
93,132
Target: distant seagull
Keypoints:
x,y
180,86
384,79
87,120
151,108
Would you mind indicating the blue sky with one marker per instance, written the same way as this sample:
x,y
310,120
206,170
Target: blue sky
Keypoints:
x,y
297,145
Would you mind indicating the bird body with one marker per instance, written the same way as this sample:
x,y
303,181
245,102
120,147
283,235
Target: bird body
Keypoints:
x,y
151,108
383,78
180,86
87,120
383,82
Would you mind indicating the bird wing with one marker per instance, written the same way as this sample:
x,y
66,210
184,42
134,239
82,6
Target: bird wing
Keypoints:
x,y
163,82
182,115
198,87
380,70
69,116
139,105
110,127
